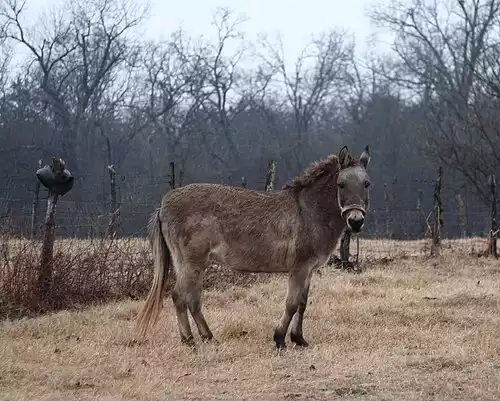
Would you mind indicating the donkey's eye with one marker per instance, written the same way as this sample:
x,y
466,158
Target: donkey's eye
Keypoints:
x,y
367,184
341,185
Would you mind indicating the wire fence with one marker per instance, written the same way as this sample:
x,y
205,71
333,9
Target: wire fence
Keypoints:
x,y
398,210
85,270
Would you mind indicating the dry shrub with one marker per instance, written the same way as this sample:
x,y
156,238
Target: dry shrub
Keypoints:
x,y
84,272
87,272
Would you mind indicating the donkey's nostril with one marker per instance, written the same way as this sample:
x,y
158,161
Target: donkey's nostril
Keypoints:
x,y
355,223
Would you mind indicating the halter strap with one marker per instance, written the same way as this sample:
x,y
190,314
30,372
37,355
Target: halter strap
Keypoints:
x,y
345,209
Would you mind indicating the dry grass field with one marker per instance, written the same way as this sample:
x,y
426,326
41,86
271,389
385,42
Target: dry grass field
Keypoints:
x,y
406,327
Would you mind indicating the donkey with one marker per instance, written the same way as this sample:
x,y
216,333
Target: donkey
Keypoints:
x,y
293,230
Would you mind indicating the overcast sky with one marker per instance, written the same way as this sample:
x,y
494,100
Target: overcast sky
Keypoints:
x,y
296,20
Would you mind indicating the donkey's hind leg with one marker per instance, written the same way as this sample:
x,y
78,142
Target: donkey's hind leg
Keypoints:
x,y
194,304
179,296
187,294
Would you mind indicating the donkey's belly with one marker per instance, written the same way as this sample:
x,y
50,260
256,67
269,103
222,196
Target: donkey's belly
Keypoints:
x,y
260,258
258,268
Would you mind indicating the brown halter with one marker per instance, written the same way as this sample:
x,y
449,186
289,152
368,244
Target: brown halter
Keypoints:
x,y
345,209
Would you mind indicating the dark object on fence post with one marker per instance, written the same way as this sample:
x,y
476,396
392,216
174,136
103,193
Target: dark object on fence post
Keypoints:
x,y
56,177
492,236
34,209
243,182
438,215
114,212
172,175
59,181
270,176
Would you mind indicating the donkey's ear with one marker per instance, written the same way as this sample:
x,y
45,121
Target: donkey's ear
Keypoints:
x,y
344,156
365,157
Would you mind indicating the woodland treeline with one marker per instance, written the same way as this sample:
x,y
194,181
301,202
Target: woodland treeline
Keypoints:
x,y
91,90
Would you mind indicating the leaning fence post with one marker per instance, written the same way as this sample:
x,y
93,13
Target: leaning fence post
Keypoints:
x,y
492,237
34,209
58,180
438,215
270,175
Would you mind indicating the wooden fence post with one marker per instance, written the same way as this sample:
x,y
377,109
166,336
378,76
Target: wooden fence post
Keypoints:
x,y
172,175
387,211
59,181
462,214
420,211
114,209
270,175
181,177
345,245
395,222
34,209
46,268
438,215
492,237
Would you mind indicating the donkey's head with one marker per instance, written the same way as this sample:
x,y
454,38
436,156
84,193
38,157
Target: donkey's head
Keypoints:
x,y
352,188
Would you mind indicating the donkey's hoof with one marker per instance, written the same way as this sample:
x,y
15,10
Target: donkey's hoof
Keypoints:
x,y
298,339
209,339
279,339
280,346
189,341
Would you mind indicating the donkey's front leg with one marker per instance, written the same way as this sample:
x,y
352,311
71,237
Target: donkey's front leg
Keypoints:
x,y
296,333
297,282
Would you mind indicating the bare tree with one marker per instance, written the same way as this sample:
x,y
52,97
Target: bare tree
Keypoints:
x,y
319,72
174,78
224,101
440,52
76,55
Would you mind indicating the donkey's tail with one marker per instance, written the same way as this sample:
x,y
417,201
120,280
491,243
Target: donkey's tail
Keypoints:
x,y
161,260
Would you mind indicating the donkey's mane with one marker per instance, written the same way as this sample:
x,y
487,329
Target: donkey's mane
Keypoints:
x,y
317,170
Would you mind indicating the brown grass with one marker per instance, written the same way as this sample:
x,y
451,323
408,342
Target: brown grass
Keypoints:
x,y
408,327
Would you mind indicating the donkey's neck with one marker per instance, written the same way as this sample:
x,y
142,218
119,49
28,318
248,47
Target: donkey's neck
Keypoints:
x,y
321,205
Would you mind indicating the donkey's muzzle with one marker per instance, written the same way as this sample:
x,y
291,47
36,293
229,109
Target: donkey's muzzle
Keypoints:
x,y
356,223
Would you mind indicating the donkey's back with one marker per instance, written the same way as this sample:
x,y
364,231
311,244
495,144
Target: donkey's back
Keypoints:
x,y
242,229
